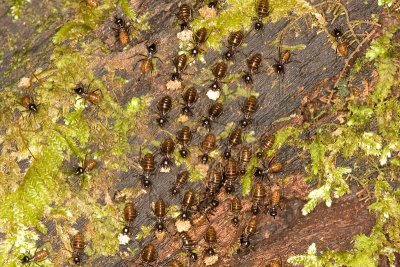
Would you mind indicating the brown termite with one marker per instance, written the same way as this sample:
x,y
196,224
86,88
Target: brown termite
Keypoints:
x,y
147,60
184,137
189,97
129,216
148,254
91,96
214,185
262,9
201,217
219,72
244,158
148,166
167,149
271,167
38,256
87,166
122,30
199,38
234,139
284,58
180,63
188,245
248,231
164,106
29,103
266,143
211,238
342,48
236,207
78,245
248,109
234,41
184,15
230,174
181,179
159,212
258,198
275,202
214,112
187,203
253,65
207,146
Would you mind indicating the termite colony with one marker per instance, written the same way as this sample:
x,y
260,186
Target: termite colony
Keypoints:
x,y
200,144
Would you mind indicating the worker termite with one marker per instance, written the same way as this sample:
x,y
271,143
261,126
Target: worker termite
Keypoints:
x,y
188,245
262,9
244,159
164,107
207,146
184,15
253,65
167,149
29,103
184,137
147,60
129,216
122,30
258,198
181,179
211,238
91,96
148,166
38,256
199,38
284,58
248,231
275,202
266,143
180,63
189,98
159,212
230,173
249,107
236,207
219,72
271,167
87,165
214,185
214,112
234,139
148,254
187,203
234,41
201,217
78,245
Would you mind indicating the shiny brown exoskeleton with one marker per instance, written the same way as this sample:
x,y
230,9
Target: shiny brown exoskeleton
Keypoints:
x,y
214,185
159,212
93,97
184,137
187,203
164,107
199,38
189,98
122,30
181,179
284,58
271,167
234,139
129,216
148,166
147,60
258,198
230,175
245,154
213,113
29,103
180,63
266,143
167,149
275,202
201,217
211,238
78,245
149,254
207,146
248,109
87,166
248,231
184,15
234,41
219,72
262,9
253,65
188,245
236,207
40,255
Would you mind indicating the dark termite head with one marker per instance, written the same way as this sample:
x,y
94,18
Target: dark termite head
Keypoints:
x,y
80,170
215,86
214,203
273,212
119,22
184,152
210,251
247,78
160,226
194,51
77,259
227,154
258,172
126,231
255,210
229,54
146,182
25,259
152,49
176,76
235,221
229,188
193,256
260,154
185,215
162,121
258,25
279,68
244,123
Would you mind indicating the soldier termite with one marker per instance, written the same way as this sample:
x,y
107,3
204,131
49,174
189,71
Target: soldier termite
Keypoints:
x,y
159,212
129,216
258,198
266,143
234,41
148,166
167,149
262,9
188,245
275,202
187,203
272,167
91,96
38,256
122,30
189,98
184,15
181,179
207,146
214,112
180,63
211,238
199,38
184,137
175,263
236,207
87,166
230,173
219,72
29,103
249,107
248,231
147,60
148,254
342,46
253,65
244,159
164,107
78,245
234,139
